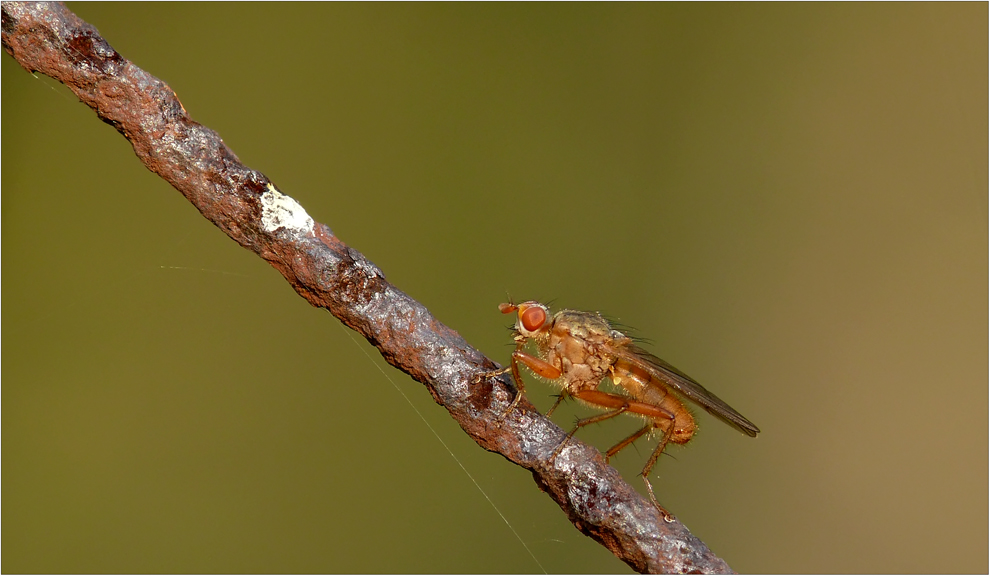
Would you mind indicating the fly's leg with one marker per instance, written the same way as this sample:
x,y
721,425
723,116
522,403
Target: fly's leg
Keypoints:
x,y
629,440
513,367
649,468
618,404
492,374
584,422
661,418
560,399
520,387
538,366
649,464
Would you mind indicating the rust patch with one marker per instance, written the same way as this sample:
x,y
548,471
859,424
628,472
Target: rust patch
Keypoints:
x,y
480,397
88,48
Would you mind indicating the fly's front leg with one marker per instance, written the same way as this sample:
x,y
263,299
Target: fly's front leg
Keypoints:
x,y
538,366
491,374
496,373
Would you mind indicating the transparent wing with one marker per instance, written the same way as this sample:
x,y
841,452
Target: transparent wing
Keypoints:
x,y
686,386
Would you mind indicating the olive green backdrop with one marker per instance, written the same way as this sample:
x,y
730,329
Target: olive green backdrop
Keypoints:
x,y
790,201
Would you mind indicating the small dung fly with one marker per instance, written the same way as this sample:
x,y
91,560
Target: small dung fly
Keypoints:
x,y
577,350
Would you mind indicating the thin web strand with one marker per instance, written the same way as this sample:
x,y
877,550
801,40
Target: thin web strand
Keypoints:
x,y
444,444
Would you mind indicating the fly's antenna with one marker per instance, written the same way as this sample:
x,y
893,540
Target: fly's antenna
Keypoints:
x,y
508,298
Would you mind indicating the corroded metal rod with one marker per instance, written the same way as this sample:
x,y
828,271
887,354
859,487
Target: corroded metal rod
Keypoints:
x,y
248,207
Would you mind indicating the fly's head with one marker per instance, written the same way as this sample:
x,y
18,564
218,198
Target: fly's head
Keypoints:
x,y
532,320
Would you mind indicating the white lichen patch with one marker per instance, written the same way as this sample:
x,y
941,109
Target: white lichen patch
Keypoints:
x,y
281,211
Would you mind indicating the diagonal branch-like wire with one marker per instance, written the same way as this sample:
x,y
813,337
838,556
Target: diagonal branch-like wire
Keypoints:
x,y
48,38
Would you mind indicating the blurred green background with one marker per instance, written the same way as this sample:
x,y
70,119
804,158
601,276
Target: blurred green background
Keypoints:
x,y
789,200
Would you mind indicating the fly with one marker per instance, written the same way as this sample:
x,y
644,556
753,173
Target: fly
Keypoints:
x,y
578,350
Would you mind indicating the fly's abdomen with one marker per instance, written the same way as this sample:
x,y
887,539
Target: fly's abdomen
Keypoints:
x,y
643,387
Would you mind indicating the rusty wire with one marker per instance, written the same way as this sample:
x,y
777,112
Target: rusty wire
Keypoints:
x,y
48,38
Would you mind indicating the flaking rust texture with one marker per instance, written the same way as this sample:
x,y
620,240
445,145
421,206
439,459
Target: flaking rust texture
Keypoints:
x,y
48,38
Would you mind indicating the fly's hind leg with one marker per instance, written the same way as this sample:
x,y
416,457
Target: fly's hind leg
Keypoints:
x,y
645,474
629,440
650,464
619,404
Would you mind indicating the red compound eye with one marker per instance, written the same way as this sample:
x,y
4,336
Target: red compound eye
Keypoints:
x,y
533,318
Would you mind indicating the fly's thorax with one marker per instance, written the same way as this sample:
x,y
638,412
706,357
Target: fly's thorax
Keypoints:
x,y
588,325
579,344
